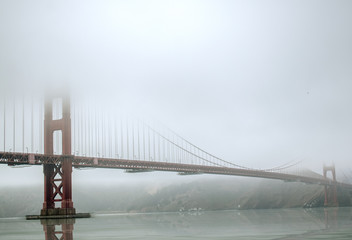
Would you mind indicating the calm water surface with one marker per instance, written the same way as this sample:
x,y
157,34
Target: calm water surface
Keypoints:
x,y
246,224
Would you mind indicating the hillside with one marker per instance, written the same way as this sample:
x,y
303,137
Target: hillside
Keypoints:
x,y
207,194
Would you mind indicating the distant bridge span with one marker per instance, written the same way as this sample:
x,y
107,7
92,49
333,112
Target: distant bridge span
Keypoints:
x,y
13,159
94,140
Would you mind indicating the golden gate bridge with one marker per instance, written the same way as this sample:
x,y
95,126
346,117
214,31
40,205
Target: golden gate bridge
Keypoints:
x,y
62,134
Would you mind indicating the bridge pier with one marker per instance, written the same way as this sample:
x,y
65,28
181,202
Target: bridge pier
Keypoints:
x,y
331,190
58,176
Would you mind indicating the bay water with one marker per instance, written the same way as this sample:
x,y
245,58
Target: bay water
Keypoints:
x,y
319,223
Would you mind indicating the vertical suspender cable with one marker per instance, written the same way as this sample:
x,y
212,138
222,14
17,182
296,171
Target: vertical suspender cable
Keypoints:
x,y
75,128
109,132
32,127
88,131
168,151
154,145
78,125
159,150
14,126
57,135
144,142
102,135
189,155
110,135
199,159
139,150
96,131
4,124
167,145
82,132
128,146
133,155
183,152
91,133
173,149
85,132
149,155
71,116
23,125
116,140
91,128
98,134
81,129
107,135
164,156
122,156
106,132
60,133
41,126
178,152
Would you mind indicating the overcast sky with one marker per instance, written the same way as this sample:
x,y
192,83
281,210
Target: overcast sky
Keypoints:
x,y
258,83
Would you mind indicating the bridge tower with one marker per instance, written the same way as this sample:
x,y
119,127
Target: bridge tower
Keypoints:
x,y
331,190
58,176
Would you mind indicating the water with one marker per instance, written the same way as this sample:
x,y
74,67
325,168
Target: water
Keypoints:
x,y
245,224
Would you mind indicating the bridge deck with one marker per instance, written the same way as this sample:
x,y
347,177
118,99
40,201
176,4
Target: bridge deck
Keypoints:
x,y
13,159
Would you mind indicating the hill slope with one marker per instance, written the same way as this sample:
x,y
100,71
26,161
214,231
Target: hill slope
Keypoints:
x,y
207,194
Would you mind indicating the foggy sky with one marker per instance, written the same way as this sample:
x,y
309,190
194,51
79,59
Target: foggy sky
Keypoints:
x,y
257,83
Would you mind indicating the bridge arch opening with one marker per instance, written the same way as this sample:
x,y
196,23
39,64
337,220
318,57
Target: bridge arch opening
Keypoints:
x,y
57,142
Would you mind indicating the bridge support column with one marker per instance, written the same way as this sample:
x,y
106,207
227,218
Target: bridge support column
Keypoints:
x,y
58,175
330,190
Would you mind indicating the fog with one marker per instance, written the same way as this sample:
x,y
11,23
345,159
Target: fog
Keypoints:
x,y
257,83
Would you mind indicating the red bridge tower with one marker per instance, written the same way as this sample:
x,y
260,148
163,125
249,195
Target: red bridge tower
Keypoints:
x,y
330,191
58,176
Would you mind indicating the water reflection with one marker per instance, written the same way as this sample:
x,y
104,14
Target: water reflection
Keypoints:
x,y
244,224
58,229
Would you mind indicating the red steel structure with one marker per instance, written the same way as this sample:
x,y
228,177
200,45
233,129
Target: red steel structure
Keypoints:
x,y
58,168
330,190
58,175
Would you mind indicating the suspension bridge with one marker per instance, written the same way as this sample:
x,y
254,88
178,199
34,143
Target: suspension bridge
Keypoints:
x,y
61,134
